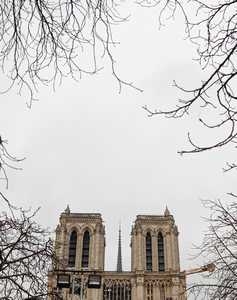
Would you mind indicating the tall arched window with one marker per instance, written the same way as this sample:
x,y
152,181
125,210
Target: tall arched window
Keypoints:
x,y
72,249
85,250
161,253
148,252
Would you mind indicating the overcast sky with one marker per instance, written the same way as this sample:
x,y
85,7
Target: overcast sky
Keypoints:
x,y
95,149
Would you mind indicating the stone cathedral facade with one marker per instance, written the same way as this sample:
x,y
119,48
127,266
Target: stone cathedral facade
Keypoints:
x,y
155,267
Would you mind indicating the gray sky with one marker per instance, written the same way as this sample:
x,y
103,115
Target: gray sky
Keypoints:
x,y
95,149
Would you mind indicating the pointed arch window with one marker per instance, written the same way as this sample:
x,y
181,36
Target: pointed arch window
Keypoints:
x,y
85,250
148,252
72,249
161,253
149,291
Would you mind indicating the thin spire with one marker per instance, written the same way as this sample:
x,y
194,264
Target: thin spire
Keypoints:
x,y
67,210
119,258
167,212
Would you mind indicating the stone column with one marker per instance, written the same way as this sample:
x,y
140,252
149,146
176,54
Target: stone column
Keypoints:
x,y
162,292
60,243
139,251
154,253
95,249
176,292
101,248
101,291
98,248
175,263
133,256
168,243
168,293
166,250
156,292
178,259
79,250
140,287
95,294
172,245
143,256
133,291
92,251
176,250
64,240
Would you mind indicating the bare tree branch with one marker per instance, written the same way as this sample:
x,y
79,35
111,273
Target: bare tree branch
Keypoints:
x,y
219,246
212,27
26,255
7,161
43,41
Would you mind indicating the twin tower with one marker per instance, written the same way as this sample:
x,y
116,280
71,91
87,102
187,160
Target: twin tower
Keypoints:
x,y
155,266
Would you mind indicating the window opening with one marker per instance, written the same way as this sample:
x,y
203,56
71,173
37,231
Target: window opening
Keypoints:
x,y
161,253
148,252
85,250
72,249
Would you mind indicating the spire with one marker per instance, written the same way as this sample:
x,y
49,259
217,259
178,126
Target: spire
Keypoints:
x,y
167,212
119,258
67,210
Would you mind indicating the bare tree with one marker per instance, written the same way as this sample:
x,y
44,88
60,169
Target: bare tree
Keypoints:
x,y
42,41
26,254
212,27
7,161
219,246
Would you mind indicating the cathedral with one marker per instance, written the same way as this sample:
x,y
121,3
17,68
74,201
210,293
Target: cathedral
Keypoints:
x,y
79,273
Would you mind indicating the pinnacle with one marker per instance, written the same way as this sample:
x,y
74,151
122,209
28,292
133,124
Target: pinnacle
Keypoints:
x,y
119,258
67,210
167,212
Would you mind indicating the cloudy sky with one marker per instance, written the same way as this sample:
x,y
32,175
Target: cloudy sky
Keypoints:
x,y
95,149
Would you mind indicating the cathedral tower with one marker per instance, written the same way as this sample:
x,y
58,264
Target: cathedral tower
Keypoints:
x,y
154,243
80,241
155,258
